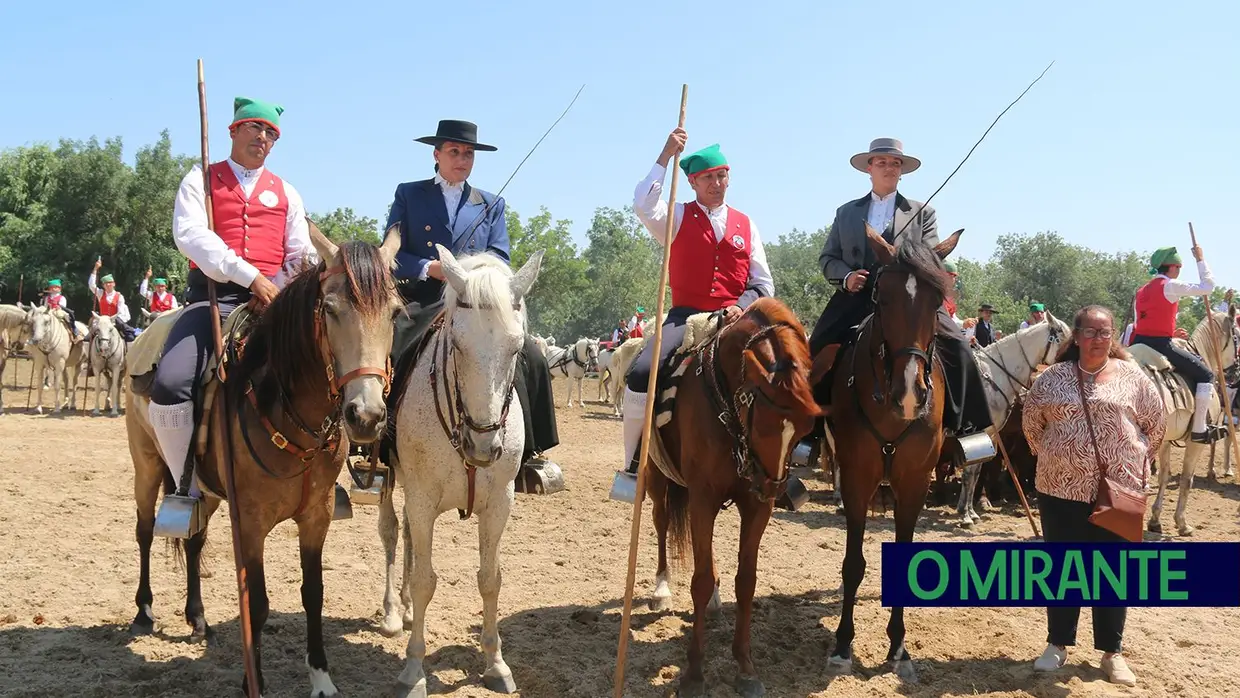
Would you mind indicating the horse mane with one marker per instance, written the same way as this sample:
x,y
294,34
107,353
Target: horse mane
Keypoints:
x,y
489,292
923,262
792,372
280,348
1208,337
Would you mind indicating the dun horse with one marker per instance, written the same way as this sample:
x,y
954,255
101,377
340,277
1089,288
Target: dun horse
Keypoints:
x,y
741,403
316,356
465,457
55,352
887,417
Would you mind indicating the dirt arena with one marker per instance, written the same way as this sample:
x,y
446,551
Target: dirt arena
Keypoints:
x,y
70,572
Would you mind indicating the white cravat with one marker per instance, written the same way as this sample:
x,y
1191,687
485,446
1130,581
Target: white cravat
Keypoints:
x,y
247,178
882,211
451,196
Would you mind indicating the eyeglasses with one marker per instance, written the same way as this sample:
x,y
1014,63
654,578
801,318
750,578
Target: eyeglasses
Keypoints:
x,y
257,128
1092,333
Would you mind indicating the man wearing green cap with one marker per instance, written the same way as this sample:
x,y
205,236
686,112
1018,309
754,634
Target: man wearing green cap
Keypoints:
x,y
1156,306
1037,313
111,302
717,262
635,323
54,300
160,300
259,243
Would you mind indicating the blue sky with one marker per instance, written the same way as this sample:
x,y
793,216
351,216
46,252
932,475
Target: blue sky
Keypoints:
x,y
1128,137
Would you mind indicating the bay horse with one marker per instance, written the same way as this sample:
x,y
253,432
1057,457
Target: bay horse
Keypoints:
x,y
459,439
887,417
308,379
742,401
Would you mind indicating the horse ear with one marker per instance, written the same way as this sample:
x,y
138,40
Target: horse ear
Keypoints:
x,y
945,248
391,245
754,372
452,270
884,250
94,315
523,280
326,248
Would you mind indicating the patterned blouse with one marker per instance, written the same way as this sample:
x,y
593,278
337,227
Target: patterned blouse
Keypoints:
x,y
1129,424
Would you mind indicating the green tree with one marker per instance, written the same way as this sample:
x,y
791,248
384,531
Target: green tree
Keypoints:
x,y
343,225
624,266
556,303
799,282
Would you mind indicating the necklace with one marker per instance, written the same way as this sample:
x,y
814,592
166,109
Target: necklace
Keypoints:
x,y
1093,375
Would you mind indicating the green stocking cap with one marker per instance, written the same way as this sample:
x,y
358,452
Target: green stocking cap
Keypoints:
x,y
107,279
708,158
950,266
53,282
159,281
1162,256
246,109
1037,308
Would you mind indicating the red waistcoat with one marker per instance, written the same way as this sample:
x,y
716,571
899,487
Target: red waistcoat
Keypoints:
x,y
254,228
158,305
55,301
706,275
1155,314
109,308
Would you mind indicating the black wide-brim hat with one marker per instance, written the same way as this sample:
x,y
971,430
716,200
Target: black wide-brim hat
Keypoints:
x,y
458,132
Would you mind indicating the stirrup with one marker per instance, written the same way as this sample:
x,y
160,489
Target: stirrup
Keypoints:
x,y
341,507
539,475
975,448
802,453
179,517
623,487
368,496
794,496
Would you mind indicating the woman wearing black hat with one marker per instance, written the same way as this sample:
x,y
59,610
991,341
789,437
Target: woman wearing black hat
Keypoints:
x,y
446,210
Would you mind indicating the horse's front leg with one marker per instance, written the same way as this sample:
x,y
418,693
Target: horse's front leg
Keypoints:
x,y
754,517
494,517
195,614
98,391
420,521
40,370
389,528
656,491
59,379
702,513
1192,452
862,484
1164,474
910,498
311,534
252,543
115,386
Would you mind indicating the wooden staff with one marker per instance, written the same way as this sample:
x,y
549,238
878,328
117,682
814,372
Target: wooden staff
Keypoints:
x,y
1016,481
1218,363
643,459
20,282
230,479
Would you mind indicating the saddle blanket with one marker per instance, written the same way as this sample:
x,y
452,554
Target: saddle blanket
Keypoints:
x,y
145,351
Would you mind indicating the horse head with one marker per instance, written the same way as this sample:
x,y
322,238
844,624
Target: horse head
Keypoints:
x,y
104,332
772,400
484,320
39,319
909,289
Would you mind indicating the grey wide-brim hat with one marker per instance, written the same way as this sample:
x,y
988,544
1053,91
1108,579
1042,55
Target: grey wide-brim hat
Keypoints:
x,y
885,146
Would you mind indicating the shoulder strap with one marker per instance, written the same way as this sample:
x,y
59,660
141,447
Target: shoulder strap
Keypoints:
x,y
1080,384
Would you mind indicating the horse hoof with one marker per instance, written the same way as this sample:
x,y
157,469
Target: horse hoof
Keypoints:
x,y
203,634
401,690
391,627
839,665
966,522
750,687
1153,526
141,627
661,603
94,413
500,684
692,689
905,670
1186,530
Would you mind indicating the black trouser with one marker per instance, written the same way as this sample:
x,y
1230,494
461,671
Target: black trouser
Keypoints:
x,y
532,380
128,333
1066,521
191,342
673,334
1192,368
965,410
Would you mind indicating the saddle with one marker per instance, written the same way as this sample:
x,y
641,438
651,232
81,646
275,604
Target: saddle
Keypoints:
x,y
1172,387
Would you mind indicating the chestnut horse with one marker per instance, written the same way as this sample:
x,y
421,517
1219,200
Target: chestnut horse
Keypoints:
x,y
742,404
887,416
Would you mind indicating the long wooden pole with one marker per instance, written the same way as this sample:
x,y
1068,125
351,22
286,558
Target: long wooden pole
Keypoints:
x,y
1218,367
644,458
230,480
1016,481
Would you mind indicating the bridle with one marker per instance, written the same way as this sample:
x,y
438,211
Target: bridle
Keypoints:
x,y
742,400
457,417
1053,336
327,436
926,356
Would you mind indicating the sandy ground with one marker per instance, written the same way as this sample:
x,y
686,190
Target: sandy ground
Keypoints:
x,y
70,572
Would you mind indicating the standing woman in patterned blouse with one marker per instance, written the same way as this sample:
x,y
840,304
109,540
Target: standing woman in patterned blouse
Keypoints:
x,y
1129,424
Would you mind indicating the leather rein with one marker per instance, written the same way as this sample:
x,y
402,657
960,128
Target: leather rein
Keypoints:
x,y
728,411
327,437
457,417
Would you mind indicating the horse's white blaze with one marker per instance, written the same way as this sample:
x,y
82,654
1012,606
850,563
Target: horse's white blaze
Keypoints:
x,y
320,682
909,400
911,287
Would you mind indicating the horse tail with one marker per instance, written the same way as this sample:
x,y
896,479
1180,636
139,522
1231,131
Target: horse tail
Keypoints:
x,y
679,535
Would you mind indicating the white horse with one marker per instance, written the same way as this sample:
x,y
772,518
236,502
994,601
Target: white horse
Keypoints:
x,y
604,365
14,333
621,361
470,364
1007,367
53,349
573,362
107,360
1208,340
